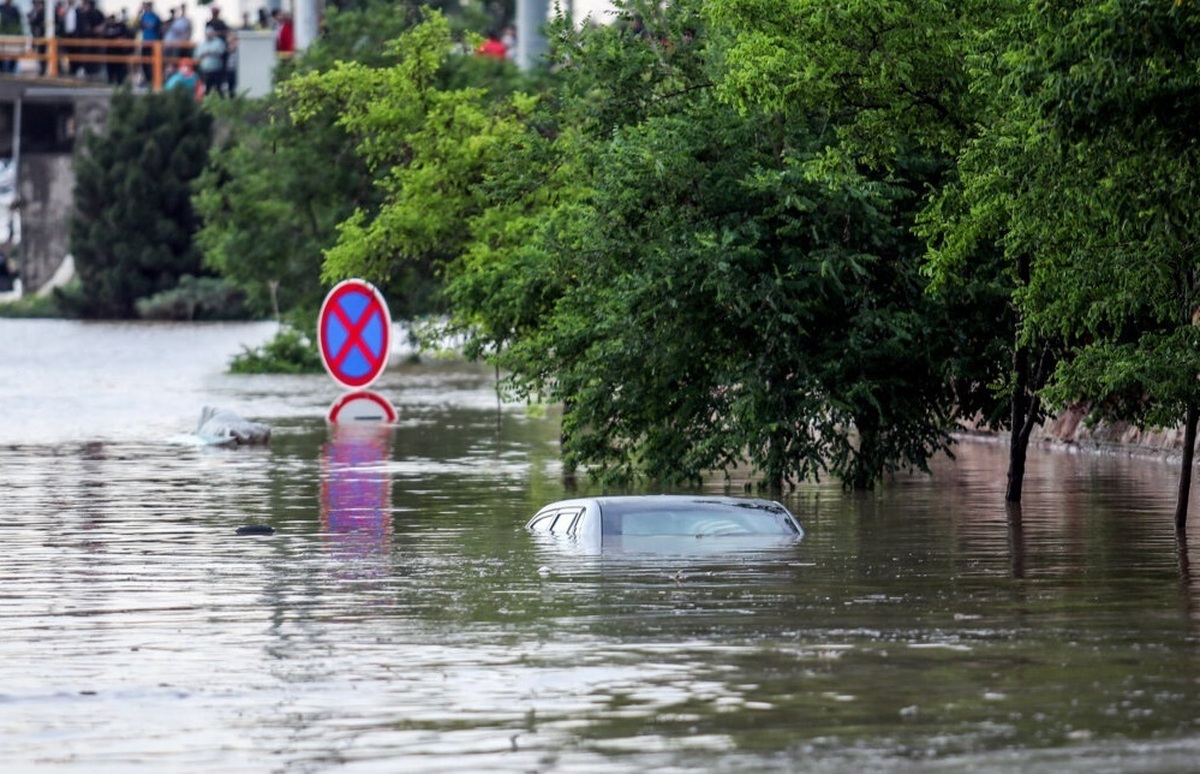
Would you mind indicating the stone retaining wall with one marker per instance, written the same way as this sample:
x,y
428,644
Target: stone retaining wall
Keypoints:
x,y
1070,427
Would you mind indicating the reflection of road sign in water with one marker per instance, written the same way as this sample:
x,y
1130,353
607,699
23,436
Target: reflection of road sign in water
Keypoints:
x,y
354,333
363,406
356,495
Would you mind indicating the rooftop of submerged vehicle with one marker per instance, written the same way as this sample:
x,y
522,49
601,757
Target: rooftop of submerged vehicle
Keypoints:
x,y
616,517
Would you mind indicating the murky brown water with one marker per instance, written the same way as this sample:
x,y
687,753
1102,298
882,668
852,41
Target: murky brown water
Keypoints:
x,y
400,619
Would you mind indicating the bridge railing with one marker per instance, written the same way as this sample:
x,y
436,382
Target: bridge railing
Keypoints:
x,y
151,57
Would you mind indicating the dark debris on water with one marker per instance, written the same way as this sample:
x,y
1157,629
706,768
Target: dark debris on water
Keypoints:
x,y
256,529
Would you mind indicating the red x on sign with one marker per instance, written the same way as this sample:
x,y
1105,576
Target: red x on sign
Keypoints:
x,y
354,333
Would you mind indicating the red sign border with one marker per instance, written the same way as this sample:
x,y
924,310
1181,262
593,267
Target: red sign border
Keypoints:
x,y
340,403
335,294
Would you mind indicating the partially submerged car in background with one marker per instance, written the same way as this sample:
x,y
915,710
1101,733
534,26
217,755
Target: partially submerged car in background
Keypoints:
x,y
608,521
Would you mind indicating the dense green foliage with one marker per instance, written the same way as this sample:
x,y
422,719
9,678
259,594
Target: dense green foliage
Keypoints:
x,y
276,190
290,351
1084,178
802,237
704,287
131,234
195,298
31,306
1117,93
271,199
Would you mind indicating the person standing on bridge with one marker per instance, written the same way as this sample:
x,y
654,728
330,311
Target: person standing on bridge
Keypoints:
x,y
90,25
67,26
285,36
231,63
217,25
185,79
117,67
149,26
177,37
210,59
492,46
10,24
37,31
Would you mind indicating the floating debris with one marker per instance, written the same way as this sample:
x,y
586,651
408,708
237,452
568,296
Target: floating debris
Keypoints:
x,y
219,426
256,529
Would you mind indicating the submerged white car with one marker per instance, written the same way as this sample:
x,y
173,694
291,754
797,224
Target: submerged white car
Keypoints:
x,y
601,520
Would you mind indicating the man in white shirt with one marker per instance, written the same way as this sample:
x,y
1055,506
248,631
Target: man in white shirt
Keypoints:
x,y
69,22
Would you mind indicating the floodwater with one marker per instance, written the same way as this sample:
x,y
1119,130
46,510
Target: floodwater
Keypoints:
x,y
400,619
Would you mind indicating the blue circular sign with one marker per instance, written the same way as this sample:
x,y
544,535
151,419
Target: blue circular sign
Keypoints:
x,y
354,333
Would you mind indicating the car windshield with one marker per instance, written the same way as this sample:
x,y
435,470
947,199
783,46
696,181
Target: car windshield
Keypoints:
x,y
694,518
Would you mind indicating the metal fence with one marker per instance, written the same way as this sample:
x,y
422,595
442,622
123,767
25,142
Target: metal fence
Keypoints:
x,y
55,57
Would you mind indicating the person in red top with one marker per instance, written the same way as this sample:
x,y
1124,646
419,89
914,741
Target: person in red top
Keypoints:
x,y
493,47
285,38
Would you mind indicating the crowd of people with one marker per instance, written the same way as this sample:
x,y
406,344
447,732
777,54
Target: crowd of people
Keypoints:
x,y
207,65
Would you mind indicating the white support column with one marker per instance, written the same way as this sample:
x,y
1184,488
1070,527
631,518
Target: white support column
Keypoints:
x,y
307,23
531,42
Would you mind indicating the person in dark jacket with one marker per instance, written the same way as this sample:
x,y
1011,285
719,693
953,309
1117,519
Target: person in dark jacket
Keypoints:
x,y
115,28
10,25
37,30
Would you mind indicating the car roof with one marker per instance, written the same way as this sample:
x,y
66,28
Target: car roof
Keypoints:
x,y
665,499
616,504
604,518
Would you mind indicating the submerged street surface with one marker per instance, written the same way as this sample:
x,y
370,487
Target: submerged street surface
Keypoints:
x,y
400,617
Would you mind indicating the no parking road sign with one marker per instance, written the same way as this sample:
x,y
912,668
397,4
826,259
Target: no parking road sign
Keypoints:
x,y
354,333
362,407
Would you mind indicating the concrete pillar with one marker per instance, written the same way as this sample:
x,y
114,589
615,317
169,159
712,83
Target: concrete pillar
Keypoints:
x,y
531,42
255,62
46,188
307,23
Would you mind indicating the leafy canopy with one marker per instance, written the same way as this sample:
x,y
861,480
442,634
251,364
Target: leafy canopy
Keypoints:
x,y
703,286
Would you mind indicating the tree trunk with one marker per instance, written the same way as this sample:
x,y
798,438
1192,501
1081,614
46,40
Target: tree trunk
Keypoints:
x,y
773,470
1016,540
865,465
1018,447
568,467
1185,474
1026,406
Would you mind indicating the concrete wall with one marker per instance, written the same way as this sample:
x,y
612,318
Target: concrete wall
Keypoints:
x,y
256,62
46,185
45,182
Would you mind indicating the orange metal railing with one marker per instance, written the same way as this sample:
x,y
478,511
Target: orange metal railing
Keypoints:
x,y
51,54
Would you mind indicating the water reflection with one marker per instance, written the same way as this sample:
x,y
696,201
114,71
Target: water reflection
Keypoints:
x,y
402,619
356,501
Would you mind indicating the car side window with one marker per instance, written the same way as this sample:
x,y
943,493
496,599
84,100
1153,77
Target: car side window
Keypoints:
x,y
568,521
557,522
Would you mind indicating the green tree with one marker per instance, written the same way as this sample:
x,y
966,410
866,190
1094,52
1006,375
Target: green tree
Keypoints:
x,y
131,234
885,86
887,76
1088,173
974,248
895,80
737,294
274,191
432,148
701,287
277,189
732,307
271,198
1119,277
